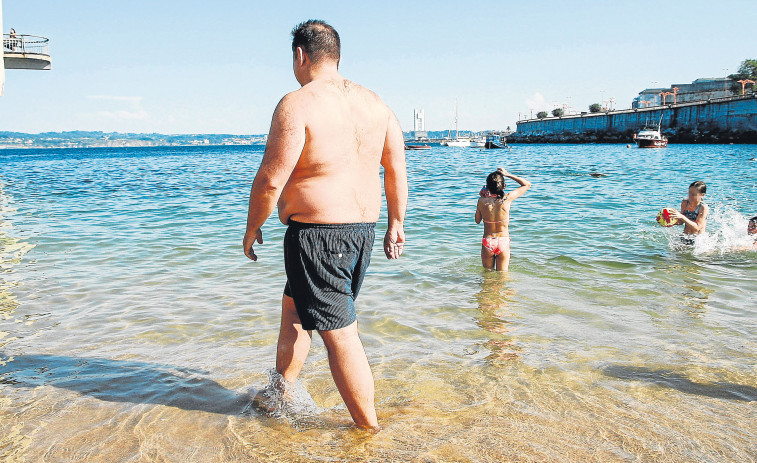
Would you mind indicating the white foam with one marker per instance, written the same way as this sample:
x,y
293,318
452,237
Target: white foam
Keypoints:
x,y
282,399
726,233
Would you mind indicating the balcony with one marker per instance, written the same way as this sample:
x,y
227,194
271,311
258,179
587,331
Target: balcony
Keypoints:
x,y
22,51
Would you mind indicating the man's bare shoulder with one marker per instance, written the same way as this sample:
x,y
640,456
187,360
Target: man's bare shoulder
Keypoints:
x,y
293,99
351,86
319,100
365,93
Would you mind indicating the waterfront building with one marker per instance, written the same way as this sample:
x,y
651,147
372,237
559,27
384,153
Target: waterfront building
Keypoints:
x,y
419,124
700,90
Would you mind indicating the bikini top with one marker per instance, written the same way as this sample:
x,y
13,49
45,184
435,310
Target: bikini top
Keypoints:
x,y
692,215
496,221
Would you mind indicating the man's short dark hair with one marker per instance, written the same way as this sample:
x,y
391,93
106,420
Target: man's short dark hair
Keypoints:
x,y
317,39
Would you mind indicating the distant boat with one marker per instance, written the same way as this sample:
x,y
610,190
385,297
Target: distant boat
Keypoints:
x,y
651,137
478,142
457,141
417,147
494,141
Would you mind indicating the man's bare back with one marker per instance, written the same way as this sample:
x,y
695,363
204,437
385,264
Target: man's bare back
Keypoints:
x,y
336,178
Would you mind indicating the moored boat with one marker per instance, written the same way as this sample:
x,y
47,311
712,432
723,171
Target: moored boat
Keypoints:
x,y
417,147
494,141
458,141
650,137
478,142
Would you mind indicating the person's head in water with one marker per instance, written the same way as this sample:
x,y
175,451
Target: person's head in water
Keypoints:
x,y
751,227
697,191
318,40
495,184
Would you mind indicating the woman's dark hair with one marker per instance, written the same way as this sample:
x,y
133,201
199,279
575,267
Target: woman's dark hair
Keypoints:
x,y
318,39
699,185
495,183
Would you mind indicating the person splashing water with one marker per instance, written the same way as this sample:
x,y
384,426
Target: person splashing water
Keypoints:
x,y
693,213
751,230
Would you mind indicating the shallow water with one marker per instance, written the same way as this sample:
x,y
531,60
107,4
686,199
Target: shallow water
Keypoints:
x,y
132,328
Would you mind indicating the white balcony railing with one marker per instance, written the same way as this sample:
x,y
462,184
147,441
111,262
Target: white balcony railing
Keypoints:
x,y
25,44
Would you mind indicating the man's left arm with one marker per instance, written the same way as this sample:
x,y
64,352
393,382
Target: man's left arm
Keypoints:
x,y
395,187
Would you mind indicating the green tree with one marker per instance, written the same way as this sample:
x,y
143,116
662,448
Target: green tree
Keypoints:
x,y
747,70
557,112
541,114
595,108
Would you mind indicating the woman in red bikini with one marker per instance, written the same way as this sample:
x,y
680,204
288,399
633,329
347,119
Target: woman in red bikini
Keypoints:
x,y
494,210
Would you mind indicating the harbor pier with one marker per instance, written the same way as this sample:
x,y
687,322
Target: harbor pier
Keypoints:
x,y
730,119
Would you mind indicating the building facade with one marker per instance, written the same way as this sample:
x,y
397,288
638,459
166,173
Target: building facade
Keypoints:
x,y
419,124
700,90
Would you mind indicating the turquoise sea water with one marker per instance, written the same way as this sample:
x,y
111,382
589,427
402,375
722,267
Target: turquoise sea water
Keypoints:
x,y
132,328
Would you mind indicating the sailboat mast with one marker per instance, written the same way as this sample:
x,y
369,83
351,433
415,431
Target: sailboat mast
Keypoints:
x,y
456,136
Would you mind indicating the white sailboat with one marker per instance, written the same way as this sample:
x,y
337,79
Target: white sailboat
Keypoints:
x,y
457,141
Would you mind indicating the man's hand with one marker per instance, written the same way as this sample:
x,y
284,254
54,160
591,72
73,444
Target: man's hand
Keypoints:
x,y
394,243
249,239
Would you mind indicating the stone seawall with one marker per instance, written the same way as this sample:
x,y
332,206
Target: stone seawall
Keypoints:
x,y
722,120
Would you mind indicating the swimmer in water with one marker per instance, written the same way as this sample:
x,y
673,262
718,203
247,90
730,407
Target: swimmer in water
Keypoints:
x,y
751,230
693,213
494,210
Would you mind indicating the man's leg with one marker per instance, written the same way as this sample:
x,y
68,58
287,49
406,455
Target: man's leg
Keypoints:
x,y
352,373
294,342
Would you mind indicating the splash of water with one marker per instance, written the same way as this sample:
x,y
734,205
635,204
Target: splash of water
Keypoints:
x,y
282,399
726,234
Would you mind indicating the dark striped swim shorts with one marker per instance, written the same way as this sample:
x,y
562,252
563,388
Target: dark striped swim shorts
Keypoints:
x,y
325,266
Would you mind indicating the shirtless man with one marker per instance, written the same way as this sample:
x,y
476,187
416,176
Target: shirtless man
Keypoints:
x,y
321,164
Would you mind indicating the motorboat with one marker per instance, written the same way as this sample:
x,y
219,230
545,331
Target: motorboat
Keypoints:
x,y
478,142
456,142
495,141
417,147
651,137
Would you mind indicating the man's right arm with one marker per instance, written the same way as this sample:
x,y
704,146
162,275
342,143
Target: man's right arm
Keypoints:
x,y
286,140
395,187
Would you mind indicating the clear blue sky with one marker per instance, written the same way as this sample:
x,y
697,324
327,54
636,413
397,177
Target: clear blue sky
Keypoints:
x,y
221,67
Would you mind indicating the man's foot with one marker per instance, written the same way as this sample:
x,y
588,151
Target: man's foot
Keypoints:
x,y
280,397
263,403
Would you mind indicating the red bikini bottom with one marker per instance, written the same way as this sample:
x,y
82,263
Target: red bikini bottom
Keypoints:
x,y
496,244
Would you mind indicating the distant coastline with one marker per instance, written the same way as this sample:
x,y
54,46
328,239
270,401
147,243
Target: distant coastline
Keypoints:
x,y
86,139
95,139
